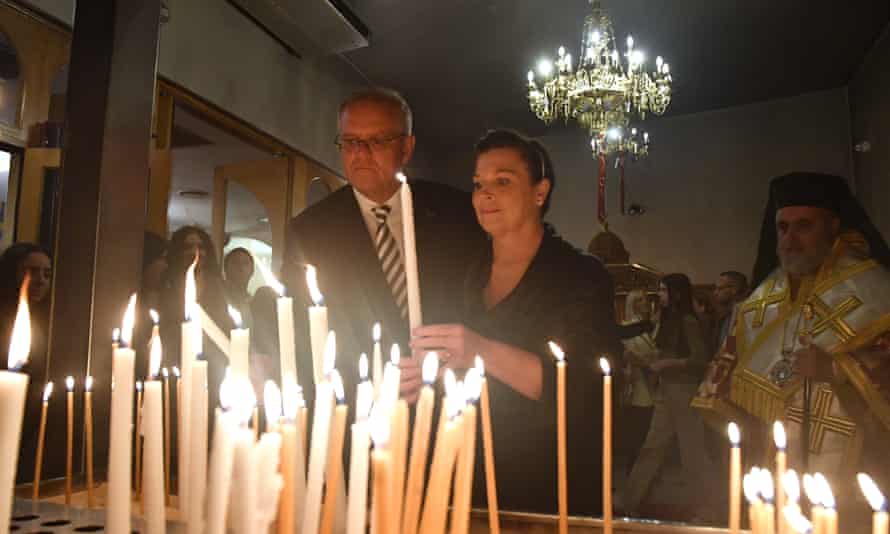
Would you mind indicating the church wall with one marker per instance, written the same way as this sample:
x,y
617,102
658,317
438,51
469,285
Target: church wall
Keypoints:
x,y
870,121
214,51
704,185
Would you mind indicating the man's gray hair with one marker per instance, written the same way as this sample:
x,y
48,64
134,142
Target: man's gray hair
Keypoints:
x,y
388,97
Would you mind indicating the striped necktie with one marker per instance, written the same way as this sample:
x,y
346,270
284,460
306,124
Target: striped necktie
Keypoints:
x,y
390,259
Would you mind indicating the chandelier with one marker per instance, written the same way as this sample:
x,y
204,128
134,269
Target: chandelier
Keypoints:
x,y
608,93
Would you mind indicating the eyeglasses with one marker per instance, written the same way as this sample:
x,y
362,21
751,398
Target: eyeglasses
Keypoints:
x,y
374,144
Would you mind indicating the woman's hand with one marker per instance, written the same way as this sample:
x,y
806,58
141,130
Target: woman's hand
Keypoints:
x,y
456,344
667,363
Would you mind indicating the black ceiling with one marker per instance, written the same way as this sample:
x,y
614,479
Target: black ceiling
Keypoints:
x,y
462,63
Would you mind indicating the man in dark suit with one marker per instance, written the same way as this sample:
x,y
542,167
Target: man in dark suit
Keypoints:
x,y
354,239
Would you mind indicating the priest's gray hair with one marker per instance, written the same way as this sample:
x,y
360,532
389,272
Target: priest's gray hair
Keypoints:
x,y
387,97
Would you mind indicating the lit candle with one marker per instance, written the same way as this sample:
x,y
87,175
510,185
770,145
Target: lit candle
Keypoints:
x,y
561,436
153,474
47,391
190,335
444,454
463,483
358,464
239,345
13,390
494,525
167,448
767,491
781,442
117,518
791,485
829,514
69,437
754,503
293,463
138,437
381,459
88,430
398,442
423,418
236,402
285,308
335,458
814,495
197,462
318,324
409,245
377,360
797,521
245,479
735,474
268,485
607,445
877,501
318,451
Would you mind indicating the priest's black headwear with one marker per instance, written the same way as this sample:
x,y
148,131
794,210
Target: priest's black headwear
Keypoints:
x,y
820,191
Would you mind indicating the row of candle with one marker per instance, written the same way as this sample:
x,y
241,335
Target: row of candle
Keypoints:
x,y
773,499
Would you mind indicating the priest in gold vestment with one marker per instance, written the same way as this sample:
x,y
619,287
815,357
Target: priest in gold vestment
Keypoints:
x,y
811,345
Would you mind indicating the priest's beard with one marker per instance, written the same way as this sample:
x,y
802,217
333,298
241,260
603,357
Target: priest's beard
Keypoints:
x,y
803,262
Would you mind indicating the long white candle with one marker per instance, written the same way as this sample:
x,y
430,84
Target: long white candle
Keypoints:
x,y
562,483
412,279
463,483
286,344
358,464
231,421
152,430
735,478
13,389
198,444
318,324
607,445
267,453
119,451
877,502
188,351
324,405
293,463
376,360
423,416
239,346
781,465
244,483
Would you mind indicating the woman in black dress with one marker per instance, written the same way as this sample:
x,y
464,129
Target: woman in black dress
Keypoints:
x,y
530,287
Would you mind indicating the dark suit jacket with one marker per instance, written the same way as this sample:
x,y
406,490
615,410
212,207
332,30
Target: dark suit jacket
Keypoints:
x,y
332,236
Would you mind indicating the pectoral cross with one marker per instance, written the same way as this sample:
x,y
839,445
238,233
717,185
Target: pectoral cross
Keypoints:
x,y
834,319
759,306
821,420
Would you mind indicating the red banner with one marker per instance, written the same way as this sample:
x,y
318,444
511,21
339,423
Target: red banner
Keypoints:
x,y
621,183
601,190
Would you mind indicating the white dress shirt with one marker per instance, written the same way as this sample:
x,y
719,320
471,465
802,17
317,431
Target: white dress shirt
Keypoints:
x,y
394,221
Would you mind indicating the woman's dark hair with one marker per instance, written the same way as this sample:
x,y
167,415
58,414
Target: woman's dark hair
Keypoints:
x,y
153,248
176,257
232,253
10,260
679,295
532,153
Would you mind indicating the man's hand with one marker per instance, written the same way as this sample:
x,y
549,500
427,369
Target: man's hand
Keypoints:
x,y
410,379
456,344
814,363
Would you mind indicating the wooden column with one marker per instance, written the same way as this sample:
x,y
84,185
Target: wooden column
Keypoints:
x,y
104,191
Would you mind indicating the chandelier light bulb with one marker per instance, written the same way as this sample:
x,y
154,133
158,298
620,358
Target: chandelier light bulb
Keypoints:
x,y
633,131
614,133
545,67
667,68
590,54
568,62
531,76
615,56
562,51
638,57
595,36
659,61
630,42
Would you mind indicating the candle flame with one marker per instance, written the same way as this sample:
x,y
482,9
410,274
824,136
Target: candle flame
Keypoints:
x,y
735,436
128,322
766,487
191,289
826,497
872,493
557,351
330,353
312,283
20,340
363,367
400,176
811,489
116,335
154,357
472,385
176,371
604,365
375,332
272,401
749,486
337,382
379,426
791,484
269,278
480,365
236,316
290,397
69,383
155,318
237,395
139,385
798,522
47,391
456,400
779,435
449,381
395,354
430,368
88,383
